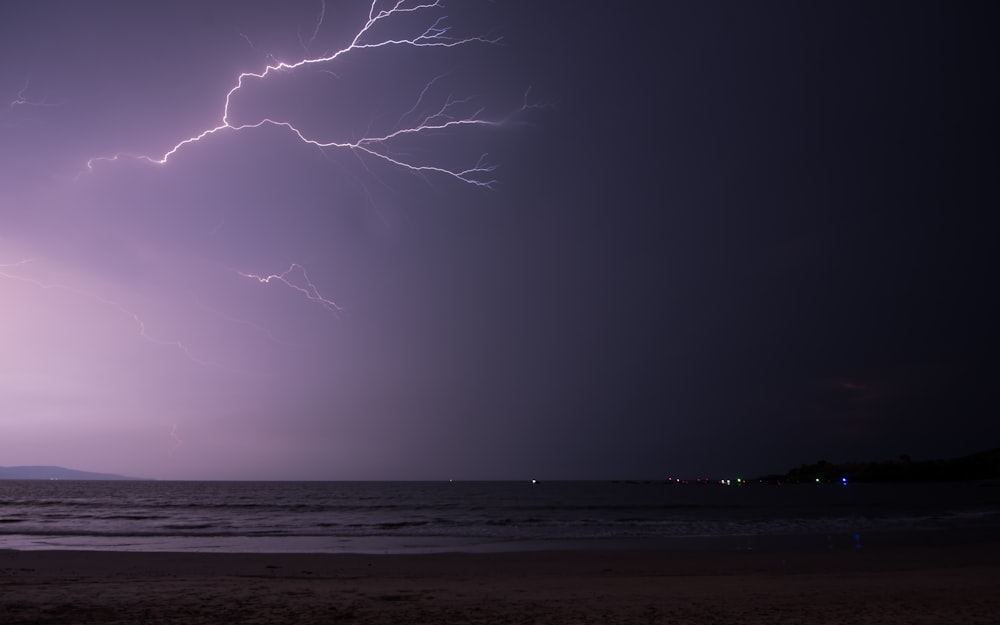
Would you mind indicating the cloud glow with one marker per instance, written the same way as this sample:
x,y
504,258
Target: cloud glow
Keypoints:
x,y
142,283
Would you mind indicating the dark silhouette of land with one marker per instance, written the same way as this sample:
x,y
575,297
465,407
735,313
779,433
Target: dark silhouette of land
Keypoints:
x,y
56,473
984,465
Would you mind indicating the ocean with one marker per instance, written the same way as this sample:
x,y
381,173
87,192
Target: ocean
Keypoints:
x,y
420,517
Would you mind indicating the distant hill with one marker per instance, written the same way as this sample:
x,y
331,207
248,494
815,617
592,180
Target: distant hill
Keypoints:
x,y
56,473
984,465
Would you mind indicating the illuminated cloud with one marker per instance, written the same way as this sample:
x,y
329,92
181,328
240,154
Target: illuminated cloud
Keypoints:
x,y
127,284
350,240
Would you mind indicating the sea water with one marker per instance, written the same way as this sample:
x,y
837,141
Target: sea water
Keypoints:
x,y
402,517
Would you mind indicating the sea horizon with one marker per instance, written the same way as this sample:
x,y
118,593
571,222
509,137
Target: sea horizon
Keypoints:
x,y
432,516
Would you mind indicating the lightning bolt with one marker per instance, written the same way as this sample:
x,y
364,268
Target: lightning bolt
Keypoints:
x,y
22,99
295,277
450,116
177,442
319,25
140,324
19,263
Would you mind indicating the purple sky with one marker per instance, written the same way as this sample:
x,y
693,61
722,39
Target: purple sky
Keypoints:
x,y
721,237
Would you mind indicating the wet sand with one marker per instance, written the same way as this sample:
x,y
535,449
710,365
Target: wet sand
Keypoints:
x,y
930,584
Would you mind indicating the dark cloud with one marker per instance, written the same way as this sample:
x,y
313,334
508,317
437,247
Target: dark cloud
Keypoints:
x,y
736,238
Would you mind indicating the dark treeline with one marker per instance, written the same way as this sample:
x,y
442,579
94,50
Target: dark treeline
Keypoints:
x,y
979,466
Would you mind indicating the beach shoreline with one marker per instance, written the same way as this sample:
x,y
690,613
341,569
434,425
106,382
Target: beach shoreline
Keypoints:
x,y
938,583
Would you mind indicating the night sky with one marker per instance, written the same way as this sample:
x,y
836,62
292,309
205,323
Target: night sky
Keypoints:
x,y
720,238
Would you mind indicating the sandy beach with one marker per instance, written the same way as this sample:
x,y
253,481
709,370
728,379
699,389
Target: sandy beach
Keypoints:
x,y
934,584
